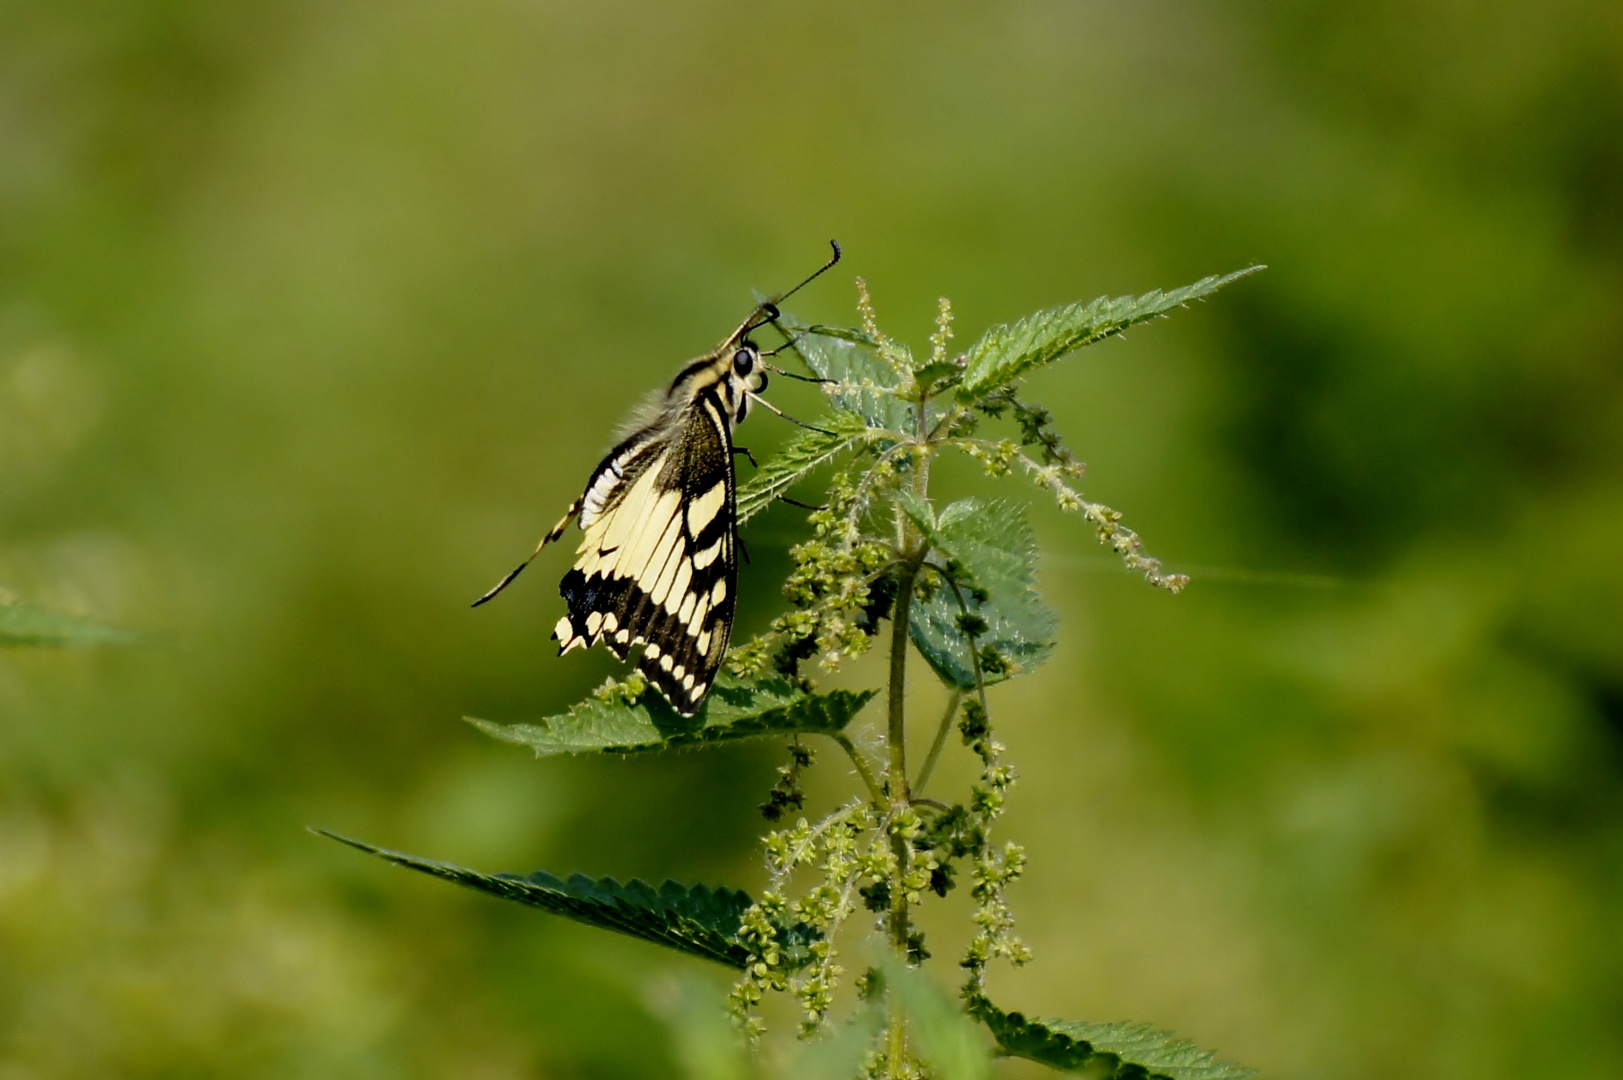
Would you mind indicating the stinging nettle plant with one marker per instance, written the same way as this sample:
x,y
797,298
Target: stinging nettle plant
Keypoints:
x,y
885,566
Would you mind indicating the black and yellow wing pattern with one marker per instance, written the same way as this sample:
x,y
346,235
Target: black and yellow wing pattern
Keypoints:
x,y
657,566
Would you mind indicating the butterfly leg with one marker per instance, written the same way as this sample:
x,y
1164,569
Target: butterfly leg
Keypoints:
x,y
759,400
745,451
553,534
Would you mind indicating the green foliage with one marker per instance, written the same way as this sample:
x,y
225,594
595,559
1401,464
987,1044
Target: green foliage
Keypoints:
x,y
950,1043
957,585
986,557
1104,1051
1007,353
843,430
309,306
691,919
23,624
631,717
863,380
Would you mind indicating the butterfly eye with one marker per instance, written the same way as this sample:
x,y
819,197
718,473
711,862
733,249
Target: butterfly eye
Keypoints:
x,y
744,361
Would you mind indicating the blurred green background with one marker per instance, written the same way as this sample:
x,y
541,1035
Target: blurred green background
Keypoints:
x,y
314,315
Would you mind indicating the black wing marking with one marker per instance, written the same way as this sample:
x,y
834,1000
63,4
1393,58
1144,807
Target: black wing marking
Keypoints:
x,y
658,566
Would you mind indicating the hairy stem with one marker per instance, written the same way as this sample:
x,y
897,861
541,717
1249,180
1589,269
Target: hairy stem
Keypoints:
x,y
899,796
940,740
915,551
896,732
876,790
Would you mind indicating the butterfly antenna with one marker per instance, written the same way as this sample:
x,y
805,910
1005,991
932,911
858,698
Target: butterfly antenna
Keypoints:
x,y
769,308
556,531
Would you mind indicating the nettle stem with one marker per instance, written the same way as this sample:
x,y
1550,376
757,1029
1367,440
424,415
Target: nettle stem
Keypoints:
x,y
896,783
940,740
916,549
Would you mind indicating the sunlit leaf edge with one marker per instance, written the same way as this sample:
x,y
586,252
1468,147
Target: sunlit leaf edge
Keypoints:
x,y
735,709
1115,1051
1010,350
844,430
693,919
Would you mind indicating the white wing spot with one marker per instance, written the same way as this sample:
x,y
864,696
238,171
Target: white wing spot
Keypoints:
x,y
651,653
709,554
594,622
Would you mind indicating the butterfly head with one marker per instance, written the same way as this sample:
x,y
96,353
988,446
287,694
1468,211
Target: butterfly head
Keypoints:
x,y
745,375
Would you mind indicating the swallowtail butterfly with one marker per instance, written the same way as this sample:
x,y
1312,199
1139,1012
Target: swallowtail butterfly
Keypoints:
x,y
657,566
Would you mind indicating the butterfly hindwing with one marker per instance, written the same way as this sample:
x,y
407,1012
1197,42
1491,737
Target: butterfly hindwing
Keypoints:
x,y
657,566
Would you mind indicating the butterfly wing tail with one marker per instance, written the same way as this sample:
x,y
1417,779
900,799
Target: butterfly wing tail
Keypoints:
x,y
552,534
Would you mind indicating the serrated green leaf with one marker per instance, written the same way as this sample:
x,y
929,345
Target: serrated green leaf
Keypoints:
x,y
938,374
993,545
868,383
23,624
1106,1051
839,333
693,919
1007,352
843,430
734,709
918,509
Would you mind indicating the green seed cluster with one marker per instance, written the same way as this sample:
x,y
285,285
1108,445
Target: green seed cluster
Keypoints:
x,y
993,869
885,852
626,691
838,590
845,849
786,794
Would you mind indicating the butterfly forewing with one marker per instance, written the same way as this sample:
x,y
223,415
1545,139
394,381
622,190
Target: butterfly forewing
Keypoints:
x,y
657,565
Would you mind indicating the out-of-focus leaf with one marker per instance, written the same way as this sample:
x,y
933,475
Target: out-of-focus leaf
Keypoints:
x,y
693,919
1007,352
843,430
1106,1051
992,545
837,1055
734,709
703,1039
25,624
946,1037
